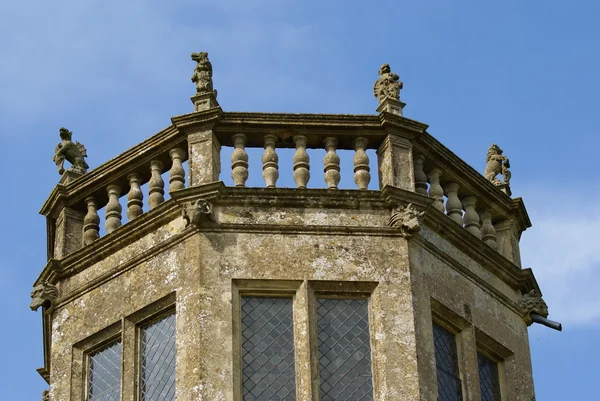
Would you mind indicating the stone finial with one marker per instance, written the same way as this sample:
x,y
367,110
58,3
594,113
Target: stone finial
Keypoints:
x,y
203,72
532,302
198,212
407,219
496,163
45,395
74,153
388,85
42,293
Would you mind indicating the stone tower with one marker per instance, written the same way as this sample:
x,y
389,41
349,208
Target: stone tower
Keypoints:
x,y
412,291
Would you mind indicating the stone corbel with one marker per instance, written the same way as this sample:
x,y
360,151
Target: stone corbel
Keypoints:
x,y
406,219
43,294
532,302
198,213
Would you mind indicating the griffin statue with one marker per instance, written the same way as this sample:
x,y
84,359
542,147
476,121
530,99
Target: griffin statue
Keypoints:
x,y
74,153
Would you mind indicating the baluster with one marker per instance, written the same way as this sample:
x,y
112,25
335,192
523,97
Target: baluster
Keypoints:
x,y
435,189
471,216
453,203
91,222
269,160
331,163
239,160
156,185
113,208
301,162
176,174
420,176
488,232
134,197
362,177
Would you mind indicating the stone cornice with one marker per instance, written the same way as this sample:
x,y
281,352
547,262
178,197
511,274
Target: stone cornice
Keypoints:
x,y
284,197
402,125
316,127
108,244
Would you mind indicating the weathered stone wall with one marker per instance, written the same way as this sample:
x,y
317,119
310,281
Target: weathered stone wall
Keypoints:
x,y
453,290
206,272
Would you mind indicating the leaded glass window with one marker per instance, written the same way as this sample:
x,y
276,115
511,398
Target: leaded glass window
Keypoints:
x,y
157,352
489,381
446,363
344,350
267,349
104,374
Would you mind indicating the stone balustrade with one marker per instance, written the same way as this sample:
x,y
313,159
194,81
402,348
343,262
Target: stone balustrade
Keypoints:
x,y
467,198
134,195
407,158
301,169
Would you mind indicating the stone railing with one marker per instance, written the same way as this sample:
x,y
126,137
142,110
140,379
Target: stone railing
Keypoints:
x,y
75,210
407,158
467,198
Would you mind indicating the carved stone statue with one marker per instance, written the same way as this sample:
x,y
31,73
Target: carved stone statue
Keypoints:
x,y
407,220
532,302
388,84
198,213
45,395
74,153
203,74
43,293
496,163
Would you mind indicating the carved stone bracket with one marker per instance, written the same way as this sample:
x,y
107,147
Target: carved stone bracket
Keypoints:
x,y
43,293
406,219
532,302
198,213
45,395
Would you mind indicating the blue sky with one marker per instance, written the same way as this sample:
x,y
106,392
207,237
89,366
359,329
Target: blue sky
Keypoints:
x,y
523,74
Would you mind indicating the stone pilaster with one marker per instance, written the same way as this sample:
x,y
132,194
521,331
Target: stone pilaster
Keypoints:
x,y
68,235
204,163
396,163
507,239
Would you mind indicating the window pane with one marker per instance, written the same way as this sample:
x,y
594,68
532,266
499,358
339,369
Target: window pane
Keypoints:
x,y
268,349
344,349
158,360
446,362
488,378
104,374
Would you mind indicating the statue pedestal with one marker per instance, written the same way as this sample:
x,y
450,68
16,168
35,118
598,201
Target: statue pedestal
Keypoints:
x,y
505,188
69,176
204,101
390,105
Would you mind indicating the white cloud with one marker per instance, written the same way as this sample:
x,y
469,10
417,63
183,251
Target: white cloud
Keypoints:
x,y
563,248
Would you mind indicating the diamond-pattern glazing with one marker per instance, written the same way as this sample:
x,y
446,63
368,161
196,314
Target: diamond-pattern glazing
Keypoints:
x,y
344,350
489,382
268,349
104,374
158,360
446,362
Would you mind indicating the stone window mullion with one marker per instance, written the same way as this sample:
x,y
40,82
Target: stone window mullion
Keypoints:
x,y
128,361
